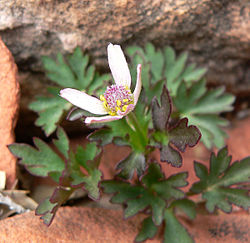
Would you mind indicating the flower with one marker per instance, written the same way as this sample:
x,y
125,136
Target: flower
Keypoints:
x,y
118,100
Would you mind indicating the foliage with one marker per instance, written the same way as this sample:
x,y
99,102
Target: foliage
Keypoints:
x,y
72,71
64,166
180,136
152,195
140,185
221,186
186,87
201,107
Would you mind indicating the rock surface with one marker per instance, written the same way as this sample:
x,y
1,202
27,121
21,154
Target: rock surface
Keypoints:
x,y
216,33
78,224
9,97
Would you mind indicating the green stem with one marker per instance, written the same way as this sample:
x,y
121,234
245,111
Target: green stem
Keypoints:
x,y
133,121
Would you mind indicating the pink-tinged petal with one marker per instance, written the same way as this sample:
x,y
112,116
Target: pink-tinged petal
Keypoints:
x,y
118,66
83,101
138,86
129,109
101,119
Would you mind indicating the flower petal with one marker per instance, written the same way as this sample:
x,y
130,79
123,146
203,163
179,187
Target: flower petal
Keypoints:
x,y
118,65
137,90
101,119
129,109
83,101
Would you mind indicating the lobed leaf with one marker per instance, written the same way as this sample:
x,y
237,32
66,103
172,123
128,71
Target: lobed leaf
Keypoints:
x,y
181,135
220,186
72,71
201,107
134,162
174,232
152,194
148,230
41,160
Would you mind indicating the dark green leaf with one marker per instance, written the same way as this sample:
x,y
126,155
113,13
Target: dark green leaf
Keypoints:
x,y
187,206
215,186
153,194
174,231
148,230
134,162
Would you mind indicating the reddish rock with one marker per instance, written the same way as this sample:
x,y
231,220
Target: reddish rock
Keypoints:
x,y
73,224
239,139
9,97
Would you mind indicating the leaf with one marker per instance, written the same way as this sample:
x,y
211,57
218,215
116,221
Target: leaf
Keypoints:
x,y
201,107
187,206
153,194
170,155
181,135
174,231
72,71
220,187
134,162
42,160
50,110
48,208
161,113
148,230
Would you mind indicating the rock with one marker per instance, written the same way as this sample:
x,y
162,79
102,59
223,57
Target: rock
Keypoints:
x,y
78,224
9,98
216,33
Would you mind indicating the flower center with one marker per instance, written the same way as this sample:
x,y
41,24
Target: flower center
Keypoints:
x,y
116,98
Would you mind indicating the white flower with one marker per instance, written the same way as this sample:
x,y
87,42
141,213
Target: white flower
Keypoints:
x,y
117,101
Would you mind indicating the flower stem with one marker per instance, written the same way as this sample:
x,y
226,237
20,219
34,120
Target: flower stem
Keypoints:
x,y
135,125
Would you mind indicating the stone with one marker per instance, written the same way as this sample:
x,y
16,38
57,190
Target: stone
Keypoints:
x,y
215,33
79,224
9,98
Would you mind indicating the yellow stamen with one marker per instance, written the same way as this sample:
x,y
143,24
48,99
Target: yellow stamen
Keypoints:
x,y
102,98
118,102
125,100
124,108
112,113
117,108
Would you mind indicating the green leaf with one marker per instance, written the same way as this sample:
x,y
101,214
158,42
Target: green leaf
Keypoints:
x,y
201,107
45,209
51,110
49,206
41,160
148,230
134,162
87,158
220,187
187,206
62,143
72,71
174,231
153,194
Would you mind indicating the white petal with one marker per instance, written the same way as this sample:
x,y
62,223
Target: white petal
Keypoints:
x,y
101,119
129,109
137,90
83,101
118,65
